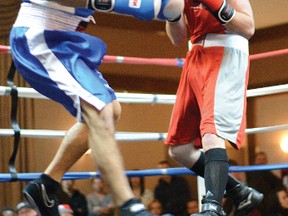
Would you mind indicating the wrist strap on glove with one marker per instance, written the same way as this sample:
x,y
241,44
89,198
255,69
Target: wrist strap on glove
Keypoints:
x,y
224,14
176,19
100,5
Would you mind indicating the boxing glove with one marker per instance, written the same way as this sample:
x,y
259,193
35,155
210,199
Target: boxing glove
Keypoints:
x,y
220,9
141,9
171,10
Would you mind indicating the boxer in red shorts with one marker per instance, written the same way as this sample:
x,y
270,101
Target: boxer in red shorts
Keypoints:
x,y
211,98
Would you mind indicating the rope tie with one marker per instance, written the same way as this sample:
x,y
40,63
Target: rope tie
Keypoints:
x,y
14,122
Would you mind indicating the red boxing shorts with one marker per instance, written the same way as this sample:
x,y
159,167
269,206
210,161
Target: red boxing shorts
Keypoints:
x,y
211,97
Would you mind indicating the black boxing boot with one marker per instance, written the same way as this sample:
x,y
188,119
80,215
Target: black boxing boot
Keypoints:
x,y
245,199
134,207
41,194
210,207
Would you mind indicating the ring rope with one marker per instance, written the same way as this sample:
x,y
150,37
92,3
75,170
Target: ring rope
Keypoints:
x,y
119,136
138,98
268,54
147,172
125,136
14,123
162,61
146,98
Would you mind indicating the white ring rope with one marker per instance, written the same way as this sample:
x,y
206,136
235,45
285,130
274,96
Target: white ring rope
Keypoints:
x,y
124,136
266,129
146,98
135,98
120,136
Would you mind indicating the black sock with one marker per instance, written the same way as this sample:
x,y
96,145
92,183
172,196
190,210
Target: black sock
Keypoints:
x,y
198,168
216,173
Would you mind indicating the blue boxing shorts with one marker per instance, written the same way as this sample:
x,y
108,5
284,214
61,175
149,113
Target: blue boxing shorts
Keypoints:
x,y
62,65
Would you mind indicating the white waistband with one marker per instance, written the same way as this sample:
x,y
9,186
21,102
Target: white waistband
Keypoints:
x,y
223,40
41,17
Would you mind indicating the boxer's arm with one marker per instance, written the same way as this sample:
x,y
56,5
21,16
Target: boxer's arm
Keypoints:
x,y
236,14
144,10
243,22
177,31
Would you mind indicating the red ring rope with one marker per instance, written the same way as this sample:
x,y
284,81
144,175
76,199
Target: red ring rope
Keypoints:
x,y
163,61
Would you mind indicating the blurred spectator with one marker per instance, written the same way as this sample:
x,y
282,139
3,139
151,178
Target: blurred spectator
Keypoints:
x,y
284,176
278,202
155,207
26,209
73,197
65,210
263,181
100,203
8,211
137,185
172,191
192,207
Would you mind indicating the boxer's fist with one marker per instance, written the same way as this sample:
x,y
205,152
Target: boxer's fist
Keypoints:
x,y
220,9
171,10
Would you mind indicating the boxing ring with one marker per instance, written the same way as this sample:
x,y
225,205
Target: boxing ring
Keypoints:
x,y
131,98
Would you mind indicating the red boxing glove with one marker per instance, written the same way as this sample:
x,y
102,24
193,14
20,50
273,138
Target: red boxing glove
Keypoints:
x,y
220,9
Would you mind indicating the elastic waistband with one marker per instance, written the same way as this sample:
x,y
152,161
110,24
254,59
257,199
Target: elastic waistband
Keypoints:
x,y
223,40
41,17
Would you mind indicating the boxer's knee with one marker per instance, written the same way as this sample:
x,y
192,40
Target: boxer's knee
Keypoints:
x,y
211,141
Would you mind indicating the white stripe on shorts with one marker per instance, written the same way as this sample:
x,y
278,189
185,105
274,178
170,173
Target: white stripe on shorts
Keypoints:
x,y
58,73
230,93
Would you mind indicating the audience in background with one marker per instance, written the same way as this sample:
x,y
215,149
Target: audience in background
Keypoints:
x,y
65,210
171,196
263,181
155,207
73,197
100,203
137,185
26,209
284,176
8,211
278,202
172,191
192,207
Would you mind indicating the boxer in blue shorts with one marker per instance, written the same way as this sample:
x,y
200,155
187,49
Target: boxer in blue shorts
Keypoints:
x,y
62,63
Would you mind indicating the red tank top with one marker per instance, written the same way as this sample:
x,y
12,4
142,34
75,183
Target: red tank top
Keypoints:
x,y
201,21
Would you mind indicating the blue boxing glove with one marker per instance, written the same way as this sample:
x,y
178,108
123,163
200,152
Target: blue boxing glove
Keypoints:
x,y
171,10
141,9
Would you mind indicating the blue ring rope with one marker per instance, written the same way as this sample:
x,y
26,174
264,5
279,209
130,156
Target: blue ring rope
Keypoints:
x,y
6,177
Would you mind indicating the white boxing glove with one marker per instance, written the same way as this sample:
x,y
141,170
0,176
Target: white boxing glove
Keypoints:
x,y
171,10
